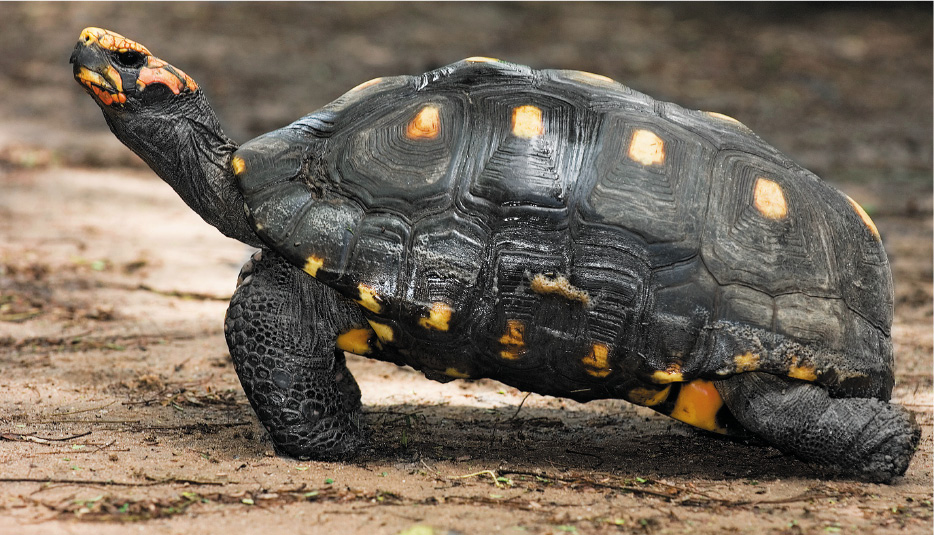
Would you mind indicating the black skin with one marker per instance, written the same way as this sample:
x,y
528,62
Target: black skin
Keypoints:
x,y
282,325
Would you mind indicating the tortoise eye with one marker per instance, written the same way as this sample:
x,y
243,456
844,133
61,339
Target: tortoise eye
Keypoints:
x,y
130,59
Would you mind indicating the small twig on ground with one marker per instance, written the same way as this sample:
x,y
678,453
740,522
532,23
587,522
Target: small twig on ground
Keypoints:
x,y
430,469
111,483
86,410
168,480
138,424
597,457
198,296
490,473
519,408
19,437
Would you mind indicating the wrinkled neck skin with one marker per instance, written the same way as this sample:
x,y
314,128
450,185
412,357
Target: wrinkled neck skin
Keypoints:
x,y
183,143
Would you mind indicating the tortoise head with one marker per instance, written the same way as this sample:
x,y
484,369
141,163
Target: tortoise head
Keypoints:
x,y
119,72
159,112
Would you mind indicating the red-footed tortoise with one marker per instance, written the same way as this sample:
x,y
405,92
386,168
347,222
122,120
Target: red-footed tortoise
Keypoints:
x,y
553,230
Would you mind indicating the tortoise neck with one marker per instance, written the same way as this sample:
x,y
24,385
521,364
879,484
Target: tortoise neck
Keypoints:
x,y
184,144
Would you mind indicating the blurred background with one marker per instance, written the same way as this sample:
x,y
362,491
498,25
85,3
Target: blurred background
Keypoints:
x,y
844,89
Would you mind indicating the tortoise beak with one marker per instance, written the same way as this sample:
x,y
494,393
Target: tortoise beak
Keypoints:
x,y
93,69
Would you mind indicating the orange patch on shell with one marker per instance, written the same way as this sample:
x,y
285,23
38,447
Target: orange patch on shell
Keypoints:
x,y
367,84
481,59
769,199
527,122
596,362
438,316
804,372
647,148
369,299
724,117
648,397
698,404
425,125
746,362
356,341
597,77
383,332
865,217
312,263
559,285
671,374
513,340
238,165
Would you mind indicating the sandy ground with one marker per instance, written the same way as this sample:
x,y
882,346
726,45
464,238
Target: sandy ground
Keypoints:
x,y
120,411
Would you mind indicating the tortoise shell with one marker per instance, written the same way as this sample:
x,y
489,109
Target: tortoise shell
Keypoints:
x,y
567,235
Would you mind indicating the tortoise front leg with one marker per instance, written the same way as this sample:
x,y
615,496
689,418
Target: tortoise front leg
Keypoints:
x,y
281,329
863,436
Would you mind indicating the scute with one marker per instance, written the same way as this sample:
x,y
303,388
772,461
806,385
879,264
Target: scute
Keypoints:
x,y
663,202
519,174
447,252
741,245
385,167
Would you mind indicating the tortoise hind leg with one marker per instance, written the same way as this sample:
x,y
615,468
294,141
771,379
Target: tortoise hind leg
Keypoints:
x,y
281,329
862,436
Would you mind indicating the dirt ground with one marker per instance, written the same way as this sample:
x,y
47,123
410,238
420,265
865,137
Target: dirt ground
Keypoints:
x,y
120,410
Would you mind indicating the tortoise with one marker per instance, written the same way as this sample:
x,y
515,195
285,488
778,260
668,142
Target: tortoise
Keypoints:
x,y
550,229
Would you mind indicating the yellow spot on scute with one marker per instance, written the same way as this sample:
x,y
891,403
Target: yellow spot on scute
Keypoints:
x,y
648,397
383,331
597,77
312,265
746,362
559,285
726,118
439,315
481,59
769,199
671,374
369,299
865,217
238,165
513,340
368,83
356,341
596,362
804,372
647,148
527,122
